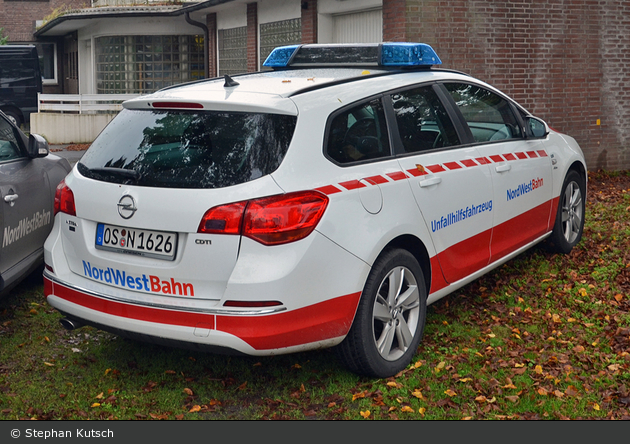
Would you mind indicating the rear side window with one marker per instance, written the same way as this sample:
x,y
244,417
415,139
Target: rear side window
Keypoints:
x,y
358,134
423,123
488,115
175,149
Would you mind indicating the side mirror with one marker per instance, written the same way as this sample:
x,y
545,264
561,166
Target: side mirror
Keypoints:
x,y
537,127
37,146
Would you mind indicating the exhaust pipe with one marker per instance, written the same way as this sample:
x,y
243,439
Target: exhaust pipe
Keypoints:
x,y
70,324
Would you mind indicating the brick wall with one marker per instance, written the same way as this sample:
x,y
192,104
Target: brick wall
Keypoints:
x,y
567,61
18,17
309,21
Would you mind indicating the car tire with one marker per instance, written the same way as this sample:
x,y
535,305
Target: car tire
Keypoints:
x,y
13,117
389,322
569,224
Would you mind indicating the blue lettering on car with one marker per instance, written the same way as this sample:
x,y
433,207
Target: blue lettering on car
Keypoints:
x,y
524,188
460,215
150,284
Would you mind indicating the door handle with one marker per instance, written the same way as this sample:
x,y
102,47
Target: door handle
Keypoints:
x,y
429,182
10,199
503,168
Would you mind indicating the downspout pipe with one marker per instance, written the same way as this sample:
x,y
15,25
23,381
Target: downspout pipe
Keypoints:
x,y
206,43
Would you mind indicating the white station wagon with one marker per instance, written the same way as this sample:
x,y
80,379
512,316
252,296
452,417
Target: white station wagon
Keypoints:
x,y
322,202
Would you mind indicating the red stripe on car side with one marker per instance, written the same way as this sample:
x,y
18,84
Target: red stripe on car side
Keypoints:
x,y
317,322
435,168
520,230
452,165
502,244
422,171
352,184
415,172
397,175
328,189
466,257
377,180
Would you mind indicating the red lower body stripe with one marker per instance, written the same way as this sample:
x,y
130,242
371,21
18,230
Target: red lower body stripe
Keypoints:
x,y
317,322
472,254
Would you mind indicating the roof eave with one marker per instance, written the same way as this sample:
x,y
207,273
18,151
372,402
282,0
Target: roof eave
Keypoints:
x,y
124,12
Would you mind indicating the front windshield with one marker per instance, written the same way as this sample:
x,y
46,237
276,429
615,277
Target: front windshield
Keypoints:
x,y
183,149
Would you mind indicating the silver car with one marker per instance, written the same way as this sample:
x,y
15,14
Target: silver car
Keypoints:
x,y
29,176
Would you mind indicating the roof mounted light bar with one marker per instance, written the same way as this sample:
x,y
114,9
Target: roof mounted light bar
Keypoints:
x,y
401,54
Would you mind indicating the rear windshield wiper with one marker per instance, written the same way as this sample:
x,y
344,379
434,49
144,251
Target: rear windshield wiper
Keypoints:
x,y
104,173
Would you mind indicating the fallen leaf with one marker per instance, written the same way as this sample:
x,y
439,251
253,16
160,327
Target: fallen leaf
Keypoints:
x,y
407,409
417,393
365,414
358,395
450,393
188,391
194,409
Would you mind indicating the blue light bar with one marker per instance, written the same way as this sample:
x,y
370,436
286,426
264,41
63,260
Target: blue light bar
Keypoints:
x,y
401,54
280,56
408,54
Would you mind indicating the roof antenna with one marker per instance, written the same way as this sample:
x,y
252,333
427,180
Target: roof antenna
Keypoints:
x,y
229,82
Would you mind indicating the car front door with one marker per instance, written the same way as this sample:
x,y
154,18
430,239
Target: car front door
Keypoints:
x,y
520,168
26,208
452,188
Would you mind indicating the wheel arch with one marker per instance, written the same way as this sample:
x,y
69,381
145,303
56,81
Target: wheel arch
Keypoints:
x,y
417,248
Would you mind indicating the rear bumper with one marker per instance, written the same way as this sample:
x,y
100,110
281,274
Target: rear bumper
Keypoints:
x,y
266,331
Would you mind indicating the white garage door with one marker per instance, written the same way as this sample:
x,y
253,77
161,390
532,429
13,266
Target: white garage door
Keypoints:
x,y
358,27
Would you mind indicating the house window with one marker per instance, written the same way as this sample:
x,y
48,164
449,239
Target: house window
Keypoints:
x,y
282,33
143,64
48,62
232,50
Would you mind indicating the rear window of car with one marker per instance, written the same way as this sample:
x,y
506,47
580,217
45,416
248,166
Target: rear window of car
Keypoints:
x,y
182,149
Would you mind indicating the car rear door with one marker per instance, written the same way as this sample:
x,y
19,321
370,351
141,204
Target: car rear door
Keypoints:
x,y
520,168
452,188
26,213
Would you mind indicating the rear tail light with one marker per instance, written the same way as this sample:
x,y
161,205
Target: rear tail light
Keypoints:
x,y
270,220
64,199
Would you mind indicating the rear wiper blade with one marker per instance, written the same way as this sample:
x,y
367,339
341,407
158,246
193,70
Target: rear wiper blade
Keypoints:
x,y
113,172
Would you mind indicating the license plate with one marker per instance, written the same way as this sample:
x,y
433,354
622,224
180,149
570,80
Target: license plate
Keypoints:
x,y
155,244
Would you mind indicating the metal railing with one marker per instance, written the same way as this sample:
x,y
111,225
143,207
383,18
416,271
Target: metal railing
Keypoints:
x,y
82,103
